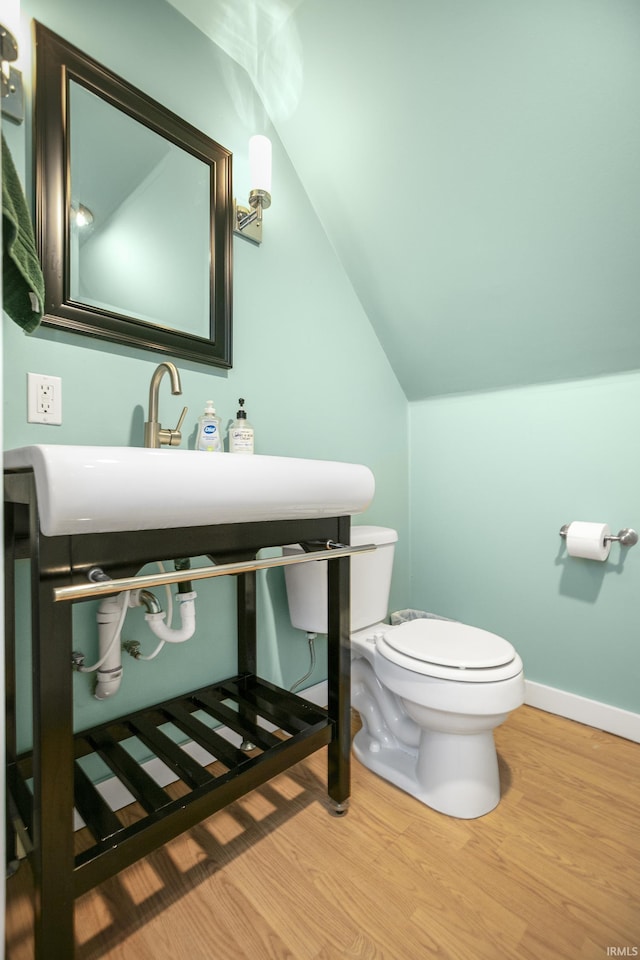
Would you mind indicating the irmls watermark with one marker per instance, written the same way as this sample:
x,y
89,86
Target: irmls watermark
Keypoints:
x,y
623,951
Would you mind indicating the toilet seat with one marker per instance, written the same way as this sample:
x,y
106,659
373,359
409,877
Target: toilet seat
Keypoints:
x,y
449,650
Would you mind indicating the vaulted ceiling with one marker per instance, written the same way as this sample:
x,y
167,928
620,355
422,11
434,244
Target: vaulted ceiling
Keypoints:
x,y
476,166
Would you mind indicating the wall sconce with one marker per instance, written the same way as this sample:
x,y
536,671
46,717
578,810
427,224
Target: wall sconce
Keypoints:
x,y
10,78
248,220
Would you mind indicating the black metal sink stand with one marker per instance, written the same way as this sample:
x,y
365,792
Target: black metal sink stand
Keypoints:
x,y
42,814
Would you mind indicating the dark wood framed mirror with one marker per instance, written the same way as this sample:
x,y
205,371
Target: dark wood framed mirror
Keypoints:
x,y
134,212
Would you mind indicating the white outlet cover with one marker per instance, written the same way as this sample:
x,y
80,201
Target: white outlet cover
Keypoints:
x,y
44,399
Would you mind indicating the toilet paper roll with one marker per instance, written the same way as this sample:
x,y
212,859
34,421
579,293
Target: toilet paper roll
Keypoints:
x,y
588,540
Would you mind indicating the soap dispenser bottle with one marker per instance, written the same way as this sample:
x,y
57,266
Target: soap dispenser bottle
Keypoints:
x,y
209,430
241,432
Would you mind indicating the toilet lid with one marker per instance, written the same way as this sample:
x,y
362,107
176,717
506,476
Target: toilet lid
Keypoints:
x,y
450,644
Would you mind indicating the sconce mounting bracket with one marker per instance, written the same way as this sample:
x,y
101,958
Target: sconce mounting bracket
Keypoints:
x,y
252,228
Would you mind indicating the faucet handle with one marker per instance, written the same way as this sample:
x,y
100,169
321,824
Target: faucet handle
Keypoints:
x,y
173,438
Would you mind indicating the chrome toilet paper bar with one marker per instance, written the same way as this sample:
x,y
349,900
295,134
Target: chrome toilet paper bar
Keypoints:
x,y
626,537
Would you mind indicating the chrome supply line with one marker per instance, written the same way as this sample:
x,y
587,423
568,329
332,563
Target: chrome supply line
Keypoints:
x,y
98,586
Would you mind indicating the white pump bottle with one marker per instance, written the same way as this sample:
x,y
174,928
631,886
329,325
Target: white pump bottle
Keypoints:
x,y
241,432
209,430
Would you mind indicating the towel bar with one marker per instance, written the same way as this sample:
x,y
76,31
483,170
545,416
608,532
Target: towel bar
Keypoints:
x,y
103,587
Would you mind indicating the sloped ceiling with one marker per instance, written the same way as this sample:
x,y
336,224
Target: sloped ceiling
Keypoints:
x,y
476,165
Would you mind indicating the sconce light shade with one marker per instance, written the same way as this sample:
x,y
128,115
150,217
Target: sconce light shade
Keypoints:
x,y
260,163
248,220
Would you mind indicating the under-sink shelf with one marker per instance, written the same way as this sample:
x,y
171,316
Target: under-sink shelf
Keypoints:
x,y
272,720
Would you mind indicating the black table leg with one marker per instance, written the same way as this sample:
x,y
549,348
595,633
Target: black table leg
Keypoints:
x,y
339,675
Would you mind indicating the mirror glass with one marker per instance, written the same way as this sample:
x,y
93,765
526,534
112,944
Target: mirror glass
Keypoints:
x,y
133,214
126,207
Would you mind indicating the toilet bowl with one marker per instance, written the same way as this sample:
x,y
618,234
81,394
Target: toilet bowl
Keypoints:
x,y
429,692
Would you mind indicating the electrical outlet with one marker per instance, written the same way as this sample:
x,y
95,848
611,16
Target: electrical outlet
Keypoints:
x,y
44,399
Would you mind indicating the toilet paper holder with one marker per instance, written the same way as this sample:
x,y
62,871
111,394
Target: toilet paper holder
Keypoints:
x,y
626,537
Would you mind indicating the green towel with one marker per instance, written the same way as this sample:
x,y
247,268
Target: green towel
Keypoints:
x,y
22,280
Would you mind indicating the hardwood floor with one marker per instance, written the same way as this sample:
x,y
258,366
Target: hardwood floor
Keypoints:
x,y
552,873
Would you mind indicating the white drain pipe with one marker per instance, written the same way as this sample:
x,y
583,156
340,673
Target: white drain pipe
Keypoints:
x,y
187,627
110,618
155,617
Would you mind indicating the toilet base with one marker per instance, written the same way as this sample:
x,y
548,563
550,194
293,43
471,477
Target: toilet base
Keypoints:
x,y
452,773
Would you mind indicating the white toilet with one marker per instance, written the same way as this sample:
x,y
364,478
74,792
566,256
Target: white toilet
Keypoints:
x,y
429,691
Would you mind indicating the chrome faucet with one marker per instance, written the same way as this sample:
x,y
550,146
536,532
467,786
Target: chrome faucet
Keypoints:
x,y
154,434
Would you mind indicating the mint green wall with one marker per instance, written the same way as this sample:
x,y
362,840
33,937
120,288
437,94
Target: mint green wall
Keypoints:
x,y
493,478
316,381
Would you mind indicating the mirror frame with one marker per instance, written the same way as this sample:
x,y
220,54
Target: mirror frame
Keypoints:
x,y
57,63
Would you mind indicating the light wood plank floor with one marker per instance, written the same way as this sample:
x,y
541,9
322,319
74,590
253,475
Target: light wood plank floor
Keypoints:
x,y
552,873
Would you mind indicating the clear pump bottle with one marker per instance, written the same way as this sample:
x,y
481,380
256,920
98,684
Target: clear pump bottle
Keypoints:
x,y
241,432
209,430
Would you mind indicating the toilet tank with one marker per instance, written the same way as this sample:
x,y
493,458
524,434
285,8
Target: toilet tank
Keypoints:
x,y
370,583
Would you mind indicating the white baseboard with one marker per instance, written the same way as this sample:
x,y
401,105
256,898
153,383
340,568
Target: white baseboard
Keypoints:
x,y
623,723
318,694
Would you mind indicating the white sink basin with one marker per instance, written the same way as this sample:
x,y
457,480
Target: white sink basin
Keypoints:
x,y
101,489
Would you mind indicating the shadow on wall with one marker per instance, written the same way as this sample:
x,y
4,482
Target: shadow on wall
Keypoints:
x,y
582,579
